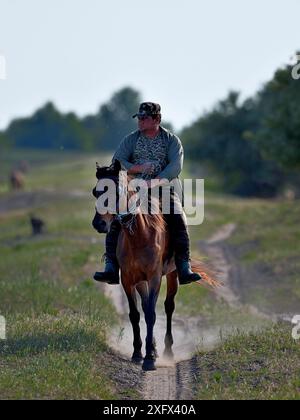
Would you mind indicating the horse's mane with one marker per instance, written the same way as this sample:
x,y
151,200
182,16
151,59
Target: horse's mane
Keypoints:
x,y
154,221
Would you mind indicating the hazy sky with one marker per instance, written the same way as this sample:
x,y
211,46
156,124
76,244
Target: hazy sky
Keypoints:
x,y
185,55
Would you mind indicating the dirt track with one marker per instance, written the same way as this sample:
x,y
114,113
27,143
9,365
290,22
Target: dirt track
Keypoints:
x,y
216,249
174,380
236,279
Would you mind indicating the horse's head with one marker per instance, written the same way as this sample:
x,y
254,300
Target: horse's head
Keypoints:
x,y
108,195
119,197
111,171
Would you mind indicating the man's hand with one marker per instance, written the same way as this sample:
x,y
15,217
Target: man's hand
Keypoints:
x,y
146,168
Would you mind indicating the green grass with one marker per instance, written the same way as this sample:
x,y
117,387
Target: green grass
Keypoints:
x,y
270,224
54,357
57,170
262,366
265,244
58,320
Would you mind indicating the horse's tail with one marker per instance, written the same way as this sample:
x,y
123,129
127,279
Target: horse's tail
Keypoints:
x,y
207,274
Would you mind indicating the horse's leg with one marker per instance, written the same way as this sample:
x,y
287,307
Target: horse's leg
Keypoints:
x,y
134,317
143,291
150,316
172,288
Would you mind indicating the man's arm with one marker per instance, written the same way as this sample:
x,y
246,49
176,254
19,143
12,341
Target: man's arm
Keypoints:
x,y
175,159
123,154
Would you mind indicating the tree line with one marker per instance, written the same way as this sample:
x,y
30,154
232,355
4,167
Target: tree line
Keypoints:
x,y
254,145
48,128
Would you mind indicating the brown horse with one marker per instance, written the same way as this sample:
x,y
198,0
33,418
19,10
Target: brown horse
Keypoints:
x,y
144,258
17,180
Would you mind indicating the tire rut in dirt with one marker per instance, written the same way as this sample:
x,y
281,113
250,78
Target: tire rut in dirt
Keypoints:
x,y
161,384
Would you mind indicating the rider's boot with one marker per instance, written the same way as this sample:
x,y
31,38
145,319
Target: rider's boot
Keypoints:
x,y
181,243
185,273
110,274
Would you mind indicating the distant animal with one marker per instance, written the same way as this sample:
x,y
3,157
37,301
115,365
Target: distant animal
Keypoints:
x,y
37,225
17,180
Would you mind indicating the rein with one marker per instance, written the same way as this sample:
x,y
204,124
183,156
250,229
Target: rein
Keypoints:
x,y
129,224
126,219
121,217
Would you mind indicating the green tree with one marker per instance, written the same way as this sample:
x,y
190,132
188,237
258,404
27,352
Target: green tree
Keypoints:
x,y
114,119
278,136
49,129
221,137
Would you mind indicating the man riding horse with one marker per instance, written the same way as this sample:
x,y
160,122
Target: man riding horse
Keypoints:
x,y
154,154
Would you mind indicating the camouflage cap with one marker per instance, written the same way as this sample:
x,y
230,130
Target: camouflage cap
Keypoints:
x,y
148,109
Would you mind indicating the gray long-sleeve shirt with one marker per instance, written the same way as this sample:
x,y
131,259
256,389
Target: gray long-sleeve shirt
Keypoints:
x,y
174,151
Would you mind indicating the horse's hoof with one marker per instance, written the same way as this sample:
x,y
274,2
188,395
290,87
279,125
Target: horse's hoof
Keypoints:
x,y
168,354
149,365
137,358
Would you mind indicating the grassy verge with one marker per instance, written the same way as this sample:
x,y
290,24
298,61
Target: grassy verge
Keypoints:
x,y
57,319
261,365
265,246
48,356
57,170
